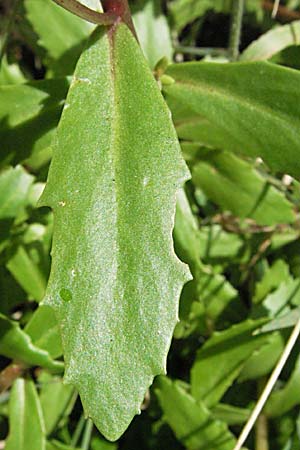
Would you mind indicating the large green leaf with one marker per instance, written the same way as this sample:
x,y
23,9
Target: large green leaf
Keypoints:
x,y
236,186
26,422
254,105
190,420
17,345
115,280
222,357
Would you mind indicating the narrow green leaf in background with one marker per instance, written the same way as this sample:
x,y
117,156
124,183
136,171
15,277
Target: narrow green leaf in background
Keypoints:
x,y
14,188
282,400
223,357
44,332
27,273
190,420
208,294
16,344
115,281
27,429
236,186
273,42
28,114
55,398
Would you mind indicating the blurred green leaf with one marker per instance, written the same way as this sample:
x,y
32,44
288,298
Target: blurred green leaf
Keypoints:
x,y
205,297
29,114
56,445
26,422
100,444
55,397
27,273
278,302
287,320
43,331
222,357
272,42
232,415
284,399
255,105
17,345
152,30
61,33
185,11
10,73
273,277
217,244
236,186
14,189
264,359
191,422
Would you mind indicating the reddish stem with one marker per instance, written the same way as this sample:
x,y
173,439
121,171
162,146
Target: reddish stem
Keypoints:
x,y
86,13
120,8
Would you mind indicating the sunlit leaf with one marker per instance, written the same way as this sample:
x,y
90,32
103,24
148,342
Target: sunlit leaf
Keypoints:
x,y
255,106
115,281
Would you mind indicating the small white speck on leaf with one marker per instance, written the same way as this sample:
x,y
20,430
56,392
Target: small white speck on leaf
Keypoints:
x,y
81,80
145,181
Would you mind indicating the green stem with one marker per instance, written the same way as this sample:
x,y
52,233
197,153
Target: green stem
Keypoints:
x,y
201,51
87,434
86,13
78,431
235,29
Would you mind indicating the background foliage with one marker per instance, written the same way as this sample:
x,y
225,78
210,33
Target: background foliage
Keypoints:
x,y
237,225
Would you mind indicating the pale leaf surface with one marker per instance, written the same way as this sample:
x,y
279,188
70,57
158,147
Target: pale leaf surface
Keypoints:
x,y
115,280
